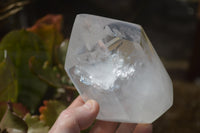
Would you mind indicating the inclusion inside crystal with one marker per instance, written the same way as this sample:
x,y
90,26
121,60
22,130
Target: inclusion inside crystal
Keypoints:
x,y
107,62
114,63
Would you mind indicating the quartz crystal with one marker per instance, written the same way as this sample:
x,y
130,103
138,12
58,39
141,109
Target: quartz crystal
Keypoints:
x,y
114,63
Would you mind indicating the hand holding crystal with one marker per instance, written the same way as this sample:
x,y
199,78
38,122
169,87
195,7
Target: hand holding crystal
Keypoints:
x,y
80,115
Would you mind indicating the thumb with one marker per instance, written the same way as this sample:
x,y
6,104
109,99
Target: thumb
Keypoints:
x,y
74,119
143,128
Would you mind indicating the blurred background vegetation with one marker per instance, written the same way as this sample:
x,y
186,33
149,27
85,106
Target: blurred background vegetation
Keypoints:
x,y
173,26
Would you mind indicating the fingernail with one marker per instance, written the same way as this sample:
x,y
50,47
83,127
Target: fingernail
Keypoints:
x,y
89,104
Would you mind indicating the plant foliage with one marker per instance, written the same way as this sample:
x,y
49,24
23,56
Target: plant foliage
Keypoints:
x,y
34,87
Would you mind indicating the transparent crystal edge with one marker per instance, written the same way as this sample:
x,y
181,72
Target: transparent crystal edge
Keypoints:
x,y
67,66
80,17
110,19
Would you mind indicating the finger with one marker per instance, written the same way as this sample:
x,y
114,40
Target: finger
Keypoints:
x,y
143,128
104,127
77,102
126,128
72,120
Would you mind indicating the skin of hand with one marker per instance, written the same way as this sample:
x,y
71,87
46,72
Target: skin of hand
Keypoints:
x,y
80,115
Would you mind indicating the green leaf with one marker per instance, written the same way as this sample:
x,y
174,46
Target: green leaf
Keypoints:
x,y
18,108
50,111
12,123
3,107
53,76
35,125
8,82
20,46
45,73
48,29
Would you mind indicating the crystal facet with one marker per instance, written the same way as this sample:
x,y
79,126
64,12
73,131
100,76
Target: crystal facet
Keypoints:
x,y
114,63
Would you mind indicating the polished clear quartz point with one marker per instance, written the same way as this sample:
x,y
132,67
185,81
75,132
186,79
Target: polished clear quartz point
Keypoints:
x,y
114,63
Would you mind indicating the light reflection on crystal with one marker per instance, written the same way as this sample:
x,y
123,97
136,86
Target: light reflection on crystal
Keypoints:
x,y
114,63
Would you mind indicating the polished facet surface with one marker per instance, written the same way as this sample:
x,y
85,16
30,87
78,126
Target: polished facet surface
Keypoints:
x,y
114,63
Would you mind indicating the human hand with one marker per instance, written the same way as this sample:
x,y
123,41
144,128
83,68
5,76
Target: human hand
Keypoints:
x,y
80,115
